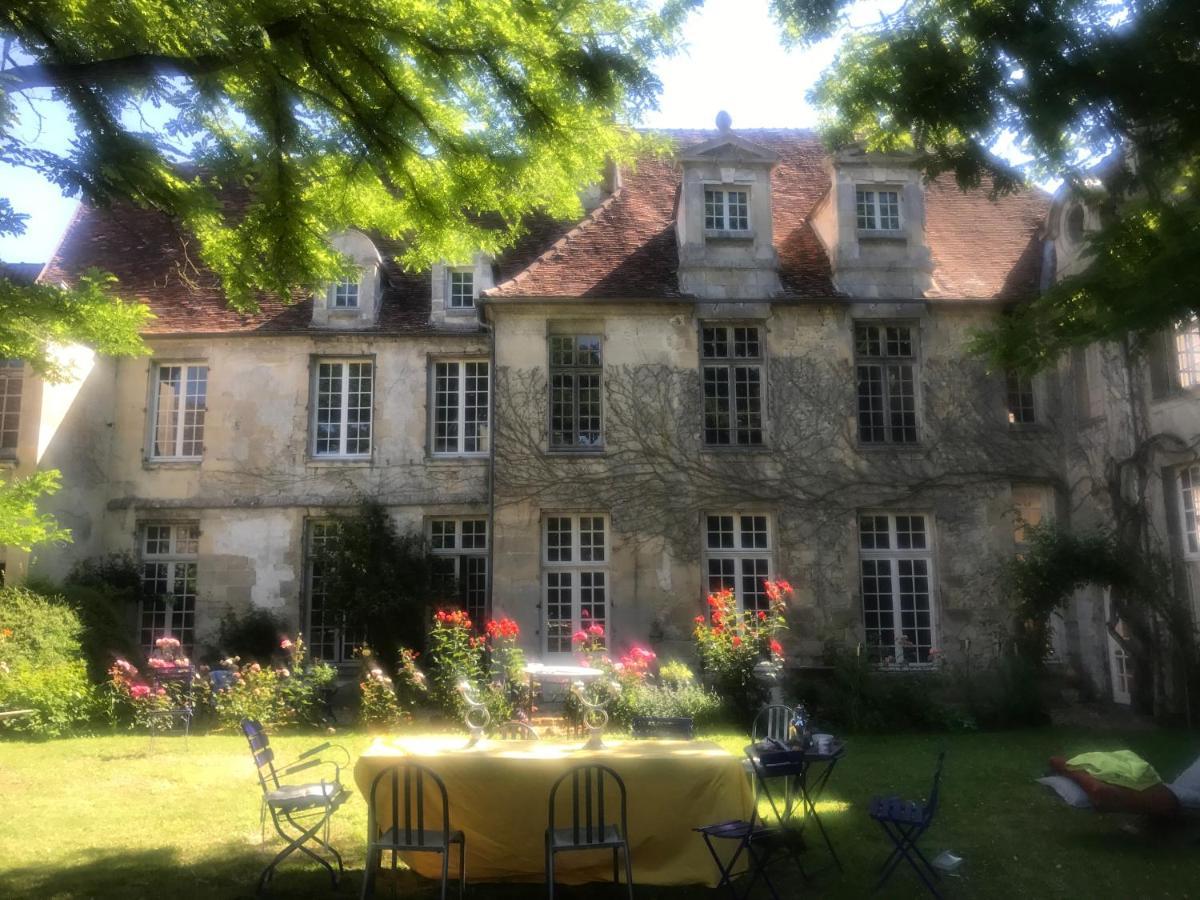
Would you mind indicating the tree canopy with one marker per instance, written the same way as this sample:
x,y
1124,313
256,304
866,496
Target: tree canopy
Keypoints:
x,y
1066,85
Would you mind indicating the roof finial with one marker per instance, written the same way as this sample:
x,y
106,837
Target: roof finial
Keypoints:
x,y
724,121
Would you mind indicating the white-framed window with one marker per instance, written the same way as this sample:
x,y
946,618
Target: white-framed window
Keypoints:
x,y
460,407
1022,406
896,570
877,210
726,209
886,364
462,289
342,409
168,557
178,407
328,637
1187,352
576,375
574,576
343,293
738,556
731,361
1189,497
12,382
460,561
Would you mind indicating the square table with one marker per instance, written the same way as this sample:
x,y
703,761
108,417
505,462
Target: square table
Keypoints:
x,y
796,767
499,793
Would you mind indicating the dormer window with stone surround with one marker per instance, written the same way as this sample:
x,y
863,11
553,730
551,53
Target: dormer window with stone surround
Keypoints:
x,y
878,210
461,293
352,301
727,210
345,292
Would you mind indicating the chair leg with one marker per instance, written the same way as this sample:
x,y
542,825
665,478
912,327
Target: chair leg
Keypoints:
x,y
445,869
462,868
628,869
616,876
374,858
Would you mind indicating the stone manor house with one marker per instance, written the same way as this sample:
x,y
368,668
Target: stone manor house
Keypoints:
x,y
747,360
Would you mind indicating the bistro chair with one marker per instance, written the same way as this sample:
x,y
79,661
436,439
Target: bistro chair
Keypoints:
x,y
414,825
678,727
177,686
772,723
904,822
515,730
300,812
753,838
590,828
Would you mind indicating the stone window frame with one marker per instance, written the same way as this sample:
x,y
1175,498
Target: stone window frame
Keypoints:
x,y
168,554
731,364
345,292
483,435
12,387
194,387
575,371
344,409
729,556
565,568
331,642
894,555
448,543
876,212
725,228
454,298
1189,509
1021,396
889,363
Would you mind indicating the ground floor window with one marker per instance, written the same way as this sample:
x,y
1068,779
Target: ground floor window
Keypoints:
x,y
575,577
328,638
460,570
737,557
168,606
896,560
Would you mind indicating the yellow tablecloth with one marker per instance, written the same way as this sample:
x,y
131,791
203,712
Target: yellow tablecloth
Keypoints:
x,y
498,793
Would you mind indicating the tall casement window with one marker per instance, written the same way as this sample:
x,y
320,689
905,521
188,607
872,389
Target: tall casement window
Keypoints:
x,y
896,559
575,385
328,638
344,292
726,210
877,210
737,556
178,407
1187,352
342,408
462,289
168,557
12,380
460,407
461,564
1189,488
1021,406
731,361
886,362
574,576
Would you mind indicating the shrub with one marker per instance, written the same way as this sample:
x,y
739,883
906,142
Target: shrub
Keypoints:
x,y
490,663
629,688
384,703
285,694
42,666
730,645
253,635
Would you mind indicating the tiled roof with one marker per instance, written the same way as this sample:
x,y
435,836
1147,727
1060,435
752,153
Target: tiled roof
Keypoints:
x,y
981,249
624,249
21,273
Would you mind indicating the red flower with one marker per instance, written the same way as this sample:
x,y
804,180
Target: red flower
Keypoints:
x,y
699,620
776,647
737,641
761,615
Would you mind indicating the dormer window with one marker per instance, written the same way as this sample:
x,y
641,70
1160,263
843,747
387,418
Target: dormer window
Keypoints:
x,y
878,210
345,293
462,289
726,210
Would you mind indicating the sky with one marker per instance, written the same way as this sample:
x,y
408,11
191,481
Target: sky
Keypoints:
x,y
732,59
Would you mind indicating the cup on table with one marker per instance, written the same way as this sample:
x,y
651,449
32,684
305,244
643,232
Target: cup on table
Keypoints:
x,y
822,743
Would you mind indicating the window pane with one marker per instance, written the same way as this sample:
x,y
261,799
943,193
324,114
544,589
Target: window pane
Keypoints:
x,y
558,539
575,391
718,418
445,407
588,399
593,603
915,618
1189,485
714,343
714,210
889,210
462,290
474,534
358,408
591,539
721,575
865,209
902,404
195,401
873,532
910,533
475,407
754,532
559,619
878,608
345,293
168,604
329,408
1020,398
168,405
443,534
871,422
738,211
720,532
1187,350
867,340
11,383
754,596
747,400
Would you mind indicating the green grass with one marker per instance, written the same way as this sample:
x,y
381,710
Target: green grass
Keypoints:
x,y
114,817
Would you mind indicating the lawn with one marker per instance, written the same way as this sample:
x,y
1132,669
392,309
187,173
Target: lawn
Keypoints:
x,y
114,817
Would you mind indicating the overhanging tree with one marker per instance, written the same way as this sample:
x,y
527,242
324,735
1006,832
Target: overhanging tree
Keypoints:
x,y
1067,83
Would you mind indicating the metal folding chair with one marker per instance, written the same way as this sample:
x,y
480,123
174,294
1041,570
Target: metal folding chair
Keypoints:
x,y
746,832
679,727
300,812
590,829
404,830
177,684
904,822
515,730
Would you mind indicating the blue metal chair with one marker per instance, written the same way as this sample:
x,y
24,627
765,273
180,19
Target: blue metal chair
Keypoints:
x,y
405,829
680,727
300,812
177,686
753,838
590,828
904,822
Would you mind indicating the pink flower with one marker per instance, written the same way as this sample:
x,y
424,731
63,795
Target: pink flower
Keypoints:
x,y
597,630
285,644
579,637
139,691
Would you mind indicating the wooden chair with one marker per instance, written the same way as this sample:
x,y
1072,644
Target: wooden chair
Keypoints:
x,y
590,828
411,828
